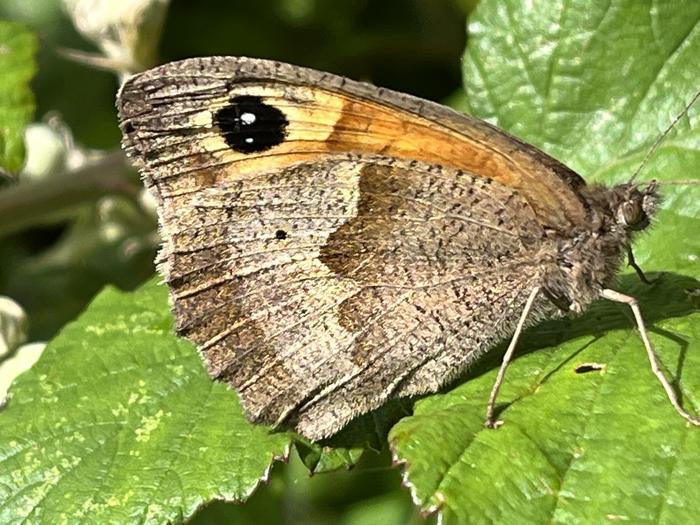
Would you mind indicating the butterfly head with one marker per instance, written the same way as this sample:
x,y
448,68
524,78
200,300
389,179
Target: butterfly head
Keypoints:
x,y
635,206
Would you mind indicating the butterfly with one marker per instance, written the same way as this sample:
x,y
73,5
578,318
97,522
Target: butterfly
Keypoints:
x,y
330,245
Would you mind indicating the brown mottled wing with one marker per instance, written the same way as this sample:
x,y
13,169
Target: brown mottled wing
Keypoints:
x,y
320,285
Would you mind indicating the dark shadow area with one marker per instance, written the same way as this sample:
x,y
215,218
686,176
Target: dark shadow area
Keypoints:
x,y
664,299
292,496
409,45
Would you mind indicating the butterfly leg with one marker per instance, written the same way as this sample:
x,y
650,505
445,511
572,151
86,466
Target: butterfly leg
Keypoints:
x,y
631,262
490,408
612,295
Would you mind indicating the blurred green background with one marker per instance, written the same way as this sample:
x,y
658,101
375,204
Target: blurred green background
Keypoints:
x,y
54,266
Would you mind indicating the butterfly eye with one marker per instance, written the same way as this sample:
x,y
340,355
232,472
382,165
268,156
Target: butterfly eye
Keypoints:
x,y
632,215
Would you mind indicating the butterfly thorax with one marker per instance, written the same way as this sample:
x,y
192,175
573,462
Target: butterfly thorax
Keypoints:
x,y
588,257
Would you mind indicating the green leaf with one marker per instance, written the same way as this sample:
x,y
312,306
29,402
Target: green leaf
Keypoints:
x,y
119,423
17,67
593,83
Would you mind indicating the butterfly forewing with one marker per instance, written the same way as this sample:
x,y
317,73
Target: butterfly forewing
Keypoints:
x,y
318,271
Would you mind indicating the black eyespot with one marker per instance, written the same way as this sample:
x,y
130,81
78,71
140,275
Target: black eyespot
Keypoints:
x,y
280,234
248,125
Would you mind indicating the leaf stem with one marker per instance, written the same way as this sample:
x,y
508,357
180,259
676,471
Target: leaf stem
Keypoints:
x,y
24,205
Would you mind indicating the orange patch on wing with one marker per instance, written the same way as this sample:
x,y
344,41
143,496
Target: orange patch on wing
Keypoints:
x,y
325,122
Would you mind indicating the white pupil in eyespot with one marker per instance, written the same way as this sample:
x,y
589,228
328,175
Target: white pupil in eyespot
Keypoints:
x,y
249,140
248,118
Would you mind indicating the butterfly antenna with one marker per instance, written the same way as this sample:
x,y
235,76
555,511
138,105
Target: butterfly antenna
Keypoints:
x,y
663,135
689,182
